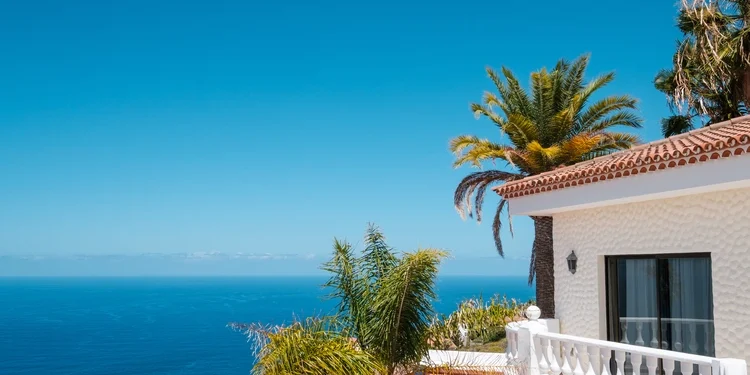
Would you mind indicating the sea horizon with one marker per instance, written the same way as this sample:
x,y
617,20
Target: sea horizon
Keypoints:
x,y
321,276
171,324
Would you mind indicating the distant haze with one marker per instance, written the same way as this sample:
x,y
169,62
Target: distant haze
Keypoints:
x,y
219,264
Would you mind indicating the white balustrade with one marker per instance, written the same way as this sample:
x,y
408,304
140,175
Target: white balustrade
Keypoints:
x,y
682,329
548,353
511,335
589,356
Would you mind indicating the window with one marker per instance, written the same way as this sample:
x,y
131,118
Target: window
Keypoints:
x,y
661,301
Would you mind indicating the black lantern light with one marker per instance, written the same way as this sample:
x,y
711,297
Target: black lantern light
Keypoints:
x,y
572,260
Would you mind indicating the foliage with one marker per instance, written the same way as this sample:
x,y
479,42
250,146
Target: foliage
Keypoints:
x,y
484,322
312,347
556,123
710,75
385,303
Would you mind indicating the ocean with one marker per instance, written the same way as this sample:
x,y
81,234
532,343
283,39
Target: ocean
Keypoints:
x,y
167,326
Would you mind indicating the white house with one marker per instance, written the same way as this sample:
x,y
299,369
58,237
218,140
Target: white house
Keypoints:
x,y
661,233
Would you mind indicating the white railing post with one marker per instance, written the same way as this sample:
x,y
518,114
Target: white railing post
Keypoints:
x,y
528,352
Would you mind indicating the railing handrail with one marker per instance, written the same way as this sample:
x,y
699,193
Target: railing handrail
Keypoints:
x,y
650,319
643,350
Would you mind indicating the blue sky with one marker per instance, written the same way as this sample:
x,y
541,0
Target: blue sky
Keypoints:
x,y
249,133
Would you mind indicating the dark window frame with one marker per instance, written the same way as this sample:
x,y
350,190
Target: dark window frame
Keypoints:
x,y
611,286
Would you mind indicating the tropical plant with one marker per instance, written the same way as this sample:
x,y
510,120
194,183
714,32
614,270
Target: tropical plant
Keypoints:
x,y
483,321
709,80
314,346
384,306
557,123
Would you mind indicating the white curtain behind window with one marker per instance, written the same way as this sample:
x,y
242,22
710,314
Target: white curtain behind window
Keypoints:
x,y
687,323
637,300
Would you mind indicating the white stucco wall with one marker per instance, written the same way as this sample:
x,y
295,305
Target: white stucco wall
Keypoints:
x,y
717,222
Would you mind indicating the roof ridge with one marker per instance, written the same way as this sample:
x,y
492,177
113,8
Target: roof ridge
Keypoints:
x,y
646,145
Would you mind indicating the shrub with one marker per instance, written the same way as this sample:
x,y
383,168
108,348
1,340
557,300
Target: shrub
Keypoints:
x,y
481,322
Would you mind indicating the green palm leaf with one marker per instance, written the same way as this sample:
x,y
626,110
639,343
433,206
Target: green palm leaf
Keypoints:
x,y
402,309
676,124
315,346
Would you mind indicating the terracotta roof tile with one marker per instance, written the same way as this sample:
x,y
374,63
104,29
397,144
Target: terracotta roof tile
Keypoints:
x,y
725,139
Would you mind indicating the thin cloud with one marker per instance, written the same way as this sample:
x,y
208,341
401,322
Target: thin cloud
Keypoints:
x,y
187,256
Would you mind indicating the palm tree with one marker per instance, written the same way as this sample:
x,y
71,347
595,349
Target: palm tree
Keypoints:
x,y
710,76
553,125
314,346
381,326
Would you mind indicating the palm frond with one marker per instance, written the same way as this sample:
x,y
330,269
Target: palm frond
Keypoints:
x,y
710,62
402,310
676,124
473,150
315,346
516,98
496,226
347,285
542,158
619,141
532,265
577,147
480,110
574,77
541,86
520,129
623,118
596,111
469,183
378,258
593,86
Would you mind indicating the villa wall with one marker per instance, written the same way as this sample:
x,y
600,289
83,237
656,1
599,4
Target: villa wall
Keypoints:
x,y
717,222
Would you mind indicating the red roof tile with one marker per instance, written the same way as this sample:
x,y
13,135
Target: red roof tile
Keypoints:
x,y
721,140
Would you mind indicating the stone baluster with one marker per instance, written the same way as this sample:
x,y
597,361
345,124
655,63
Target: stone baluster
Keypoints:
x,y
686,367
606,358
540,347
620,358
578,359
567,368
693,345
668,366
624,329
639,330
652,363
555,362
677,329
704,370
636,359
707,341
509,346
654,334
594,358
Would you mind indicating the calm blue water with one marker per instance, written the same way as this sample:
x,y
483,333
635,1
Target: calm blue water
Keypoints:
x,y
165,325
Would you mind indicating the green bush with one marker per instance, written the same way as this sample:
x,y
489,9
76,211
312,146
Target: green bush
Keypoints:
x,y
484,321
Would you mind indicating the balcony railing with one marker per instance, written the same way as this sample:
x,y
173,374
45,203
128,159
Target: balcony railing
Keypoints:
x,y
686,335
549,353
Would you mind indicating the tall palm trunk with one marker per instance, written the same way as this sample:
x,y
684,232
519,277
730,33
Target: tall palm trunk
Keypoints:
x,y
545,265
